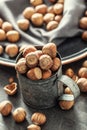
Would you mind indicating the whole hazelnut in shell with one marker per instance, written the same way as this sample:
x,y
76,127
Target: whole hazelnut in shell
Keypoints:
x,y
38,118
1,22
36,2
45,62
51,25
69,72
46,74
13,36
19,114
1,49
41,9
68,91
50,9
2,35
28,12
33,127
5,107
66,101
83,23
84,36
6,26
34,73
37,19
82,72
50,49
56,64
82,83
84,64
48,17
58,8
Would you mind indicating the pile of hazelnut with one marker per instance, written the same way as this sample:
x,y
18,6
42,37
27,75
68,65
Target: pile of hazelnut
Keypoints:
x,y
83,25
19,115
39,14
38,64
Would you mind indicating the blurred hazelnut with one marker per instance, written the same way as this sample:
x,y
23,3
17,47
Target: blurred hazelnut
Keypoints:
x,y
50,9
2,35
67,90
38,53
28,12
37,19
1,22
34,73
58,18
51,25
82,72
11,88
58,8
6,26
36,2
61,1
19,114
46,74
11,50
11,79
84,36
23,24
33,127
13,36
56,64
41,9
75,78
5,107
45,62
38,118
84,64
1,49
48,17
82,83
82,22
69,72
31,59
50,49
86,13
28,49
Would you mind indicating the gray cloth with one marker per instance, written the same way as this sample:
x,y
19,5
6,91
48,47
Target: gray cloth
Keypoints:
x,y
11,10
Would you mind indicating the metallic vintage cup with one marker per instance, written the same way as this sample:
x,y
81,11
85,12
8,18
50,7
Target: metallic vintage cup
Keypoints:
x,y
43,94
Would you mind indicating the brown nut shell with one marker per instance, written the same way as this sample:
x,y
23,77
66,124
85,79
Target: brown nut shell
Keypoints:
x,y
31,59
6,26
13,36
37,19
2,35
83,23
46,74
1,49
66,105
69,72
84,36
33,127
51,25
45,62
84,64
58,18
82,72
11,50
82,83
50,9
23,24
48,17
67,90
58,8
36,2
38,118
28,12
50,49
56,64
34,73
41,9
1,22
11,88
19,114
5,107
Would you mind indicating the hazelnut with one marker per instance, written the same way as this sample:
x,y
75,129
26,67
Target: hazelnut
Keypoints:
x,y
41,9
48,17
34,73
11,50
13,36
46,74
11,79
5,107
38,118
69,72
67,103
58,18
1,22
51,25
33,127
37,19
2,35
75,78
28,49
56,64
84,36
50,9
45,62
22,47
11,88
38,53
28,12
6,26
58,8
36,2
50,49
82,83
82,22
21,66
82,72
23,24
86,13
1,49
61,1
67,90
19,114
84,64
31,59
